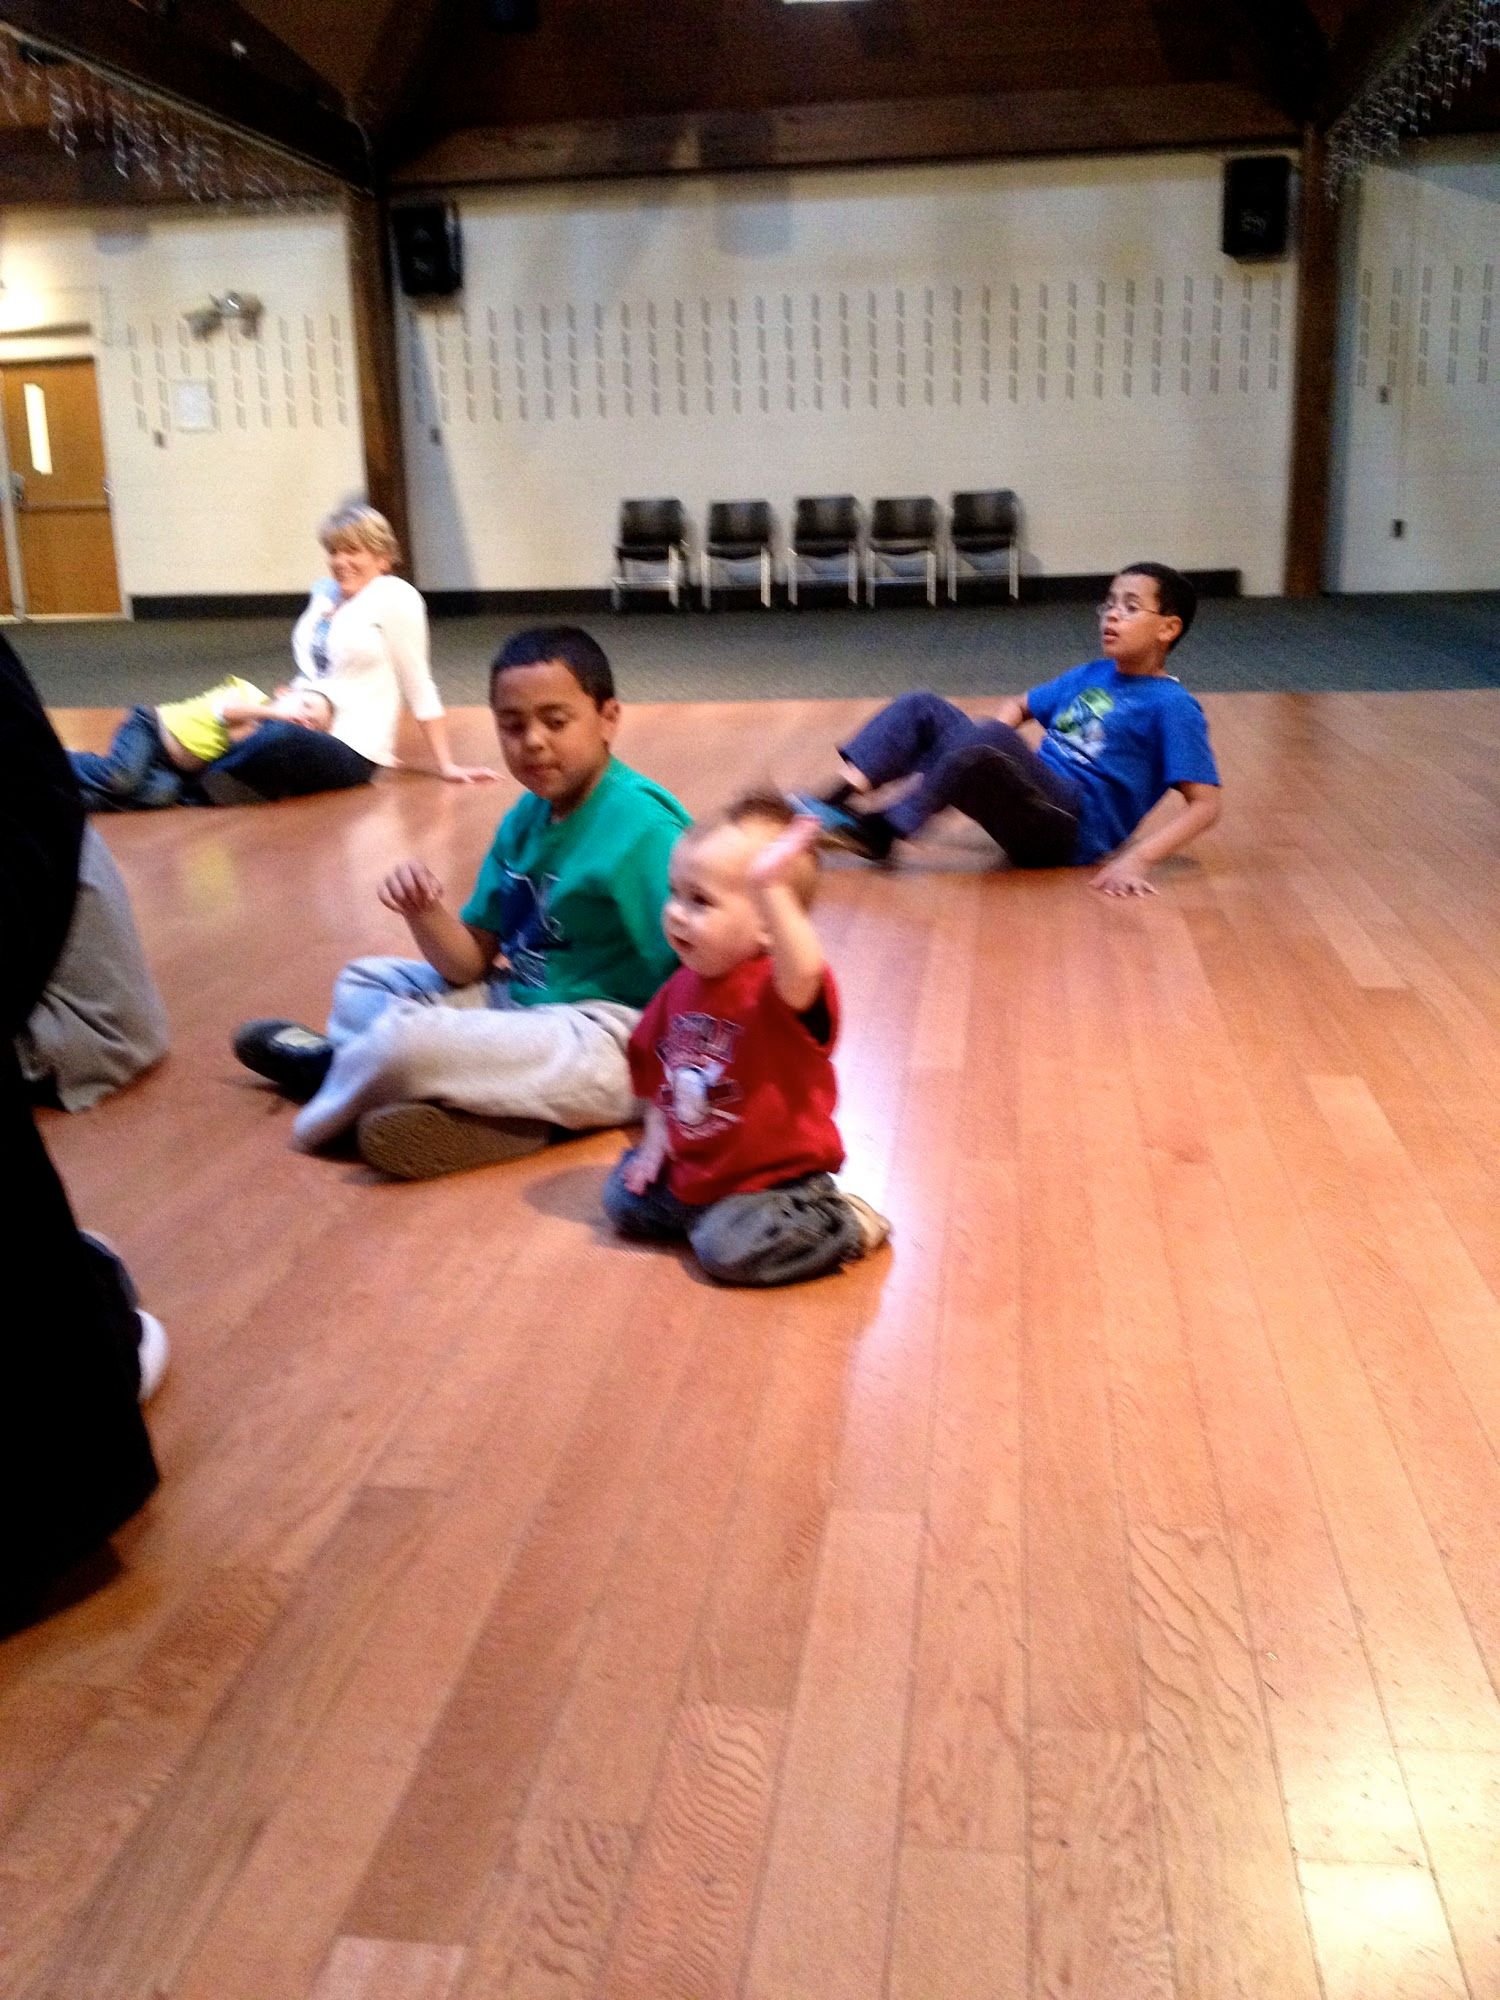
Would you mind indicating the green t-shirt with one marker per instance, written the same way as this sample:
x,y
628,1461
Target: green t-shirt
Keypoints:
x,y
576,903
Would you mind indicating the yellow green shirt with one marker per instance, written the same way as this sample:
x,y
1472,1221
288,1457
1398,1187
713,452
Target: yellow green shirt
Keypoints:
x,y
197,723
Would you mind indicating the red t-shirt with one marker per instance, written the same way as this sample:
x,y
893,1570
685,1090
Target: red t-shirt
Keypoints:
x,y
748,1091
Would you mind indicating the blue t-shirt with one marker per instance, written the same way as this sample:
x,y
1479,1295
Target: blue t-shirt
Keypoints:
x,y
1123,740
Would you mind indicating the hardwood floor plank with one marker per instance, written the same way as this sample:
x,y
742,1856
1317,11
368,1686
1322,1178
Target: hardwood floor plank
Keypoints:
x,y
460,1812
960,1931
748,1647
1433,1684
141,1921
1457,1797
547,1915
965,1784
375,1969
1380,1933
683,1926
823,1919
1098,1916
1083,1673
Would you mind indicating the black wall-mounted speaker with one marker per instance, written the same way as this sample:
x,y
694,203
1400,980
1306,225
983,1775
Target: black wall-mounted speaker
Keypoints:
x,y
429,249
512,17
1257,205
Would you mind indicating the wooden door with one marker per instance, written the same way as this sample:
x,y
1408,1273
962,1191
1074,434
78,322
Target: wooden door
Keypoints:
x,y
56,448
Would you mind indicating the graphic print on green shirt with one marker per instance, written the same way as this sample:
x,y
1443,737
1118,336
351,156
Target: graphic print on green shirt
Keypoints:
x,y
576,903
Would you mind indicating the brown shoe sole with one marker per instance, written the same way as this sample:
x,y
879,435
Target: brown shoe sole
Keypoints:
x,y
417,1142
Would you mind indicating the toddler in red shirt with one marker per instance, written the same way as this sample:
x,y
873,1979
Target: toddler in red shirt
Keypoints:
x,y
734,1057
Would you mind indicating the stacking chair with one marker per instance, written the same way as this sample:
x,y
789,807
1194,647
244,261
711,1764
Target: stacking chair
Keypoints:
x,y
652,535
981,525
738,531
901,532
824,528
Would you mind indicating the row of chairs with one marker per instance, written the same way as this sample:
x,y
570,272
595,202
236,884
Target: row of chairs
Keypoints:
x,y
906,540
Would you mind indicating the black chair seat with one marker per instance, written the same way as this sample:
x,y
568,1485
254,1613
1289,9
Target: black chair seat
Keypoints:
x,y
982,544
735,551
644,551
823,545
900,545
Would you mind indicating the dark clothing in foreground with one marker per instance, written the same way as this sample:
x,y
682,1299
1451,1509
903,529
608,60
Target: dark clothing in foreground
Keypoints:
x,y
75,1459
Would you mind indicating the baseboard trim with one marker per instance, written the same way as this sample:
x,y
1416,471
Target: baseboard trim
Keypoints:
x,y
243,604
588,603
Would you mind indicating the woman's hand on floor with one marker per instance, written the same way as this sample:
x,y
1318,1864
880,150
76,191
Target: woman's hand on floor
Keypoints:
x,y
467,774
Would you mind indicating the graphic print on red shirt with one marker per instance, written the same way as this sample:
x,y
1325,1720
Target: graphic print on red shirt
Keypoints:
x,y
748,1092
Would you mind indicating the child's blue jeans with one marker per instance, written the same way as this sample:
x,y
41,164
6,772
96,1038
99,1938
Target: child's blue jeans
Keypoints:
x,y
775,1236
986,769
134,774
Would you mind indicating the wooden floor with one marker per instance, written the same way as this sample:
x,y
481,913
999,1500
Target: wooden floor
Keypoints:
x,y
1098,1595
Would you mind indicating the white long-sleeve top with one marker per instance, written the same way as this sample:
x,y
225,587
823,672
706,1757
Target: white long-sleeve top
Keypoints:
x,y
376,657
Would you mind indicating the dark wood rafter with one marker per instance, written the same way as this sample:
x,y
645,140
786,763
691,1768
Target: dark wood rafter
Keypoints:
x,y
377,361
1311,465
1099,120
1373,34
401,61
1289,52
267,94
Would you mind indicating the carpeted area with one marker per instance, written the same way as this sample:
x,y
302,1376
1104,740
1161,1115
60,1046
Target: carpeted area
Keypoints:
x,y
1239,645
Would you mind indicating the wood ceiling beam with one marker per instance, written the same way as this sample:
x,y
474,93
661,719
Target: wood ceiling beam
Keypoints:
x,y
402,58
268,93
1289,51
1371,36
994,126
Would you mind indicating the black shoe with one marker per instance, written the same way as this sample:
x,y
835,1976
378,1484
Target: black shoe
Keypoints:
x,y
294,1058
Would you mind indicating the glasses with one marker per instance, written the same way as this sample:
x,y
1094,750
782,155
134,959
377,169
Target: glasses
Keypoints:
x,y
1127,607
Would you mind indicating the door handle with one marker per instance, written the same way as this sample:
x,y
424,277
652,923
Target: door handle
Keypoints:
x,y
18,488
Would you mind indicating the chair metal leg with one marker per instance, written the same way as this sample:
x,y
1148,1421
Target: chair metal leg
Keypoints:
x,y
791,578
1015,572
870,578
765,578
705,578
932,576
952,574
673,581
853,574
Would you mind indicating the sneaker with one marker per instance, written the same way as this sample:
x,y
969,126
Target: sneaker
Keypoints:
x,y
417,1142
874,1228
103,1247
870,835
154,1351
295,1059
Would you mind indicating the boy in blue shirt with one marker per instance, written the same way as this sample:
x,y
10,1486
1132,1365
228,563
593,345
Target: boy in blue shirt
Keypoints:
x,y
518,1014
1119,733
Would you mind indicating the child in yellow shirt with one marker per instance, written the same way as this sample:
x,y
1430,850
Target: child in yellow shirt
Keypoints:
x,y
157,750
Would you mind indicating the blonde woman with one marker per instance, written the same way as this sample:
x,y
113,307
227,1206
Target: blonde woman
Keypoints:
x,y
362,641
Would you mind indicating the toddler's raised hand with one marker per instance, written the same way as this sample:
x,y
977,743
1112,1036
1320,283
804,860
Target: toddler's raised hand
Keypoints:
x,y
411,890
777,857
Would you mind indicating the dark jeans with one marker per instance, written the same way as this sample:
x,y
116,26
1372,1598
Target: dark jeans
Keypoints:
x,y
775,1236
135,774
985,769
282,760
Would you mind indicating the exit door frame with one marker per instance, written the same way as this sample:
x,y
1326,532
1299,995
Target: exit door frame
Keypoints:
x,y
40,344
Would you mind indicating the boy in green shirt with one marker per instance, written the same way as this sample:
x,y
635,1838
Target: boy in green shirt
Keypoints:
x,y
519,1015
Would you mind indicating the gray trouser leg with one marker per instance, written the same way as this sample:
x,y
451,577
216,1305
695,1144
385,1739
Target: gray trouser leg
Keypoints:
x,y
777,1236
475,1050
367,986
